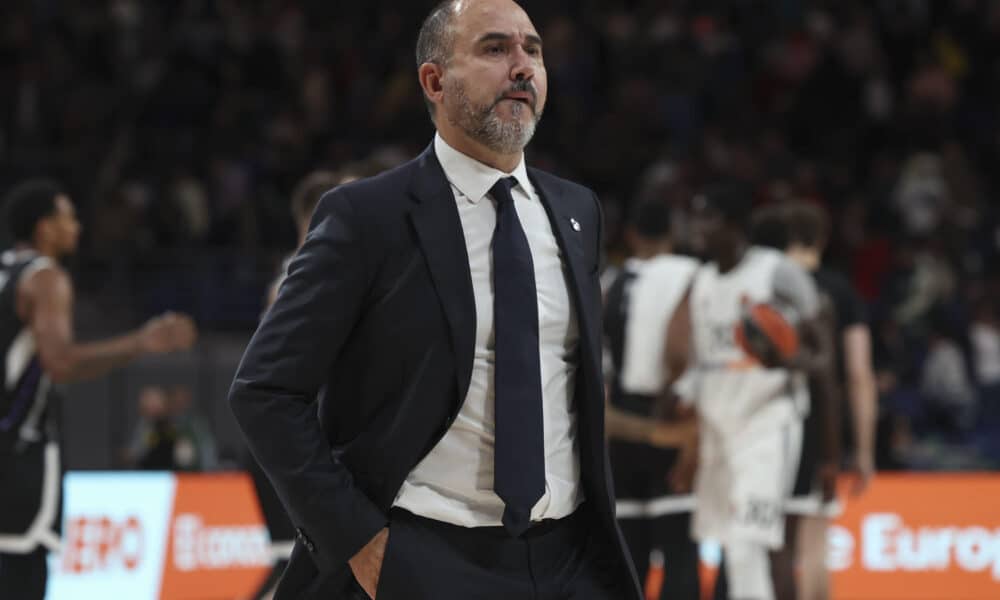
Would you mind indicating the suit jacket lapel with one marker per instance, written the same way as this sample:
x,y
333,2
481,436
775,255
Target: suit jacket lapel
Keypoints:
x,y
439,231
571,243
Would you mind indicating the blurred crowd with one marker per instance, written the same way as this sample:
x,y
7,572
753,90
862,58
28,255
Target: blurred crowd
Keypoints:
x,y
182,126
170,434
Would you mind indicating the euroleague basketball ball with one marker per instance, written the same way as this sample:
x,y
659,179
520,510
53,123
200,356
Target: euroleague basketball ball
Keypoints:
x,y
765,331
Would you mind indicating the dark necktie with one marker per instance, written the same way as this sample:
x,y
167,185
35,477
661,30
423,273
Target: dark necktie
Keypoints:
x,y
519,460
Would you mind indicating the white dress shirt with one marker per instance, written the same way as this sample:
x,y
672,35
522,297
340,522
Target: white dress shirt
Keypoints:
x,y
454,482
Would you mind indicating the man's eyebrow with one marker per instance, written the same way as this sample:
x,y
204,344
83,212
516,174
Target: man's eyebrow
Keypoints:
x,y
494,36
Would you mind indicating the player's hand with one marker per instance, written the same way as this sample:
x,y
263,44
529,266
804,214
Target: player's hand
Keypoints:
x,y
673,434
828,480
862,472
772,359
367,563
168,332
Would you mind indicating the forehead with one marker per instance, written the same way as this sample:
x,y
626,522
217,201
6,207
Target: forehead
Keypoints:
x,y
476,18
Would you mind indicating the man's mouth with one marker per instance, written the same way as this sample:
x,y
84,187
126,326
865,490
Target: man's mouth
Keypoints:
x,y
520,97
523,96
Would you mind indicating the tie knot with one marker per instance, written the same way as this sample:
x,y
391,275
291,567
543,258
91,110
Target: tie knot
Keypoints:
x,y
501,189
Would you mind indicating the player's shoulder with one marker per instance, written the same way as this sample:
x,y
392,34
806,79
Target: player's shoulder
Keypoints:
x,y
681,261
42,276
777,262
767,255
672,268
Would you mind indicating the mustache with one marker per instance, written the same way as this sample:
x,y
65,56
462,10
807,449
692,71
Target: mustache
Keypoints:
x,y
521,85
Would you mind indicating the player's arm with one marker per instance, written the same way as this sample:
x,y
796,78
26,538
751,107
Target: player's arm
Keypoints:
x,y
815,357
796,288
826,398
678,359
677,353
47,298
644,430
862,396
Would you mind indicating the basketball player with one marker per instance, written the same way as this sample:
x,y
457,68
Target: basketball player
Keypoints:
x,y
750,408
806,231
639,307
36,338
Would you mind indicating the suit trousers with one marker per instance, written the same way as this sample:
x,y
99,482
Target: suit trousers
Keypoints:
x,y
563,559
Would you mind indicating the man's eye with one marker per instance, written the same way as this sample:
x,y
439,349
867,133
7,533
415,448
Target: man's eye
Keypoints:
x,y
494,49
534,50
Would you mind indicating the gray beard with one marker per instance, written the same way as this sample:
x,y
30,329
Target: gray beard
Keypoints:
x,y
482,124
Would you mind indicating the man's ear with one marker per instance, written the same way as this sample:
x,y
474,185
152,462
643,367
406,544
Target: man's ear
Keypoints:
x,y
430,76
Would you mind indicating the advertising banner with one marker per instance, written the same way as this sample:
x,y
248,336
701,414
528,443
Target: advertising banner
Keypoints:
x,y
919,537
159,536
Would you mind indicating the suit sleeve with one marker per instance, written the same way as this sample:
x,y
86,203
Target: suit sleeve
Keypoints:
x,y
273,396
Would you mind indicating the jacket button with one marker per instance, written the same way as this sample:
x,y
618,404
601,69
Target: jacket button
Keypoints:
x,y
301,536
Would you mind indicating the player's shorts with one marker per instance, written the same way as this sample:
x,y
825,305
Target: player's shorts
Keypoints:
x,y
641,477
745,477
641,472
31,480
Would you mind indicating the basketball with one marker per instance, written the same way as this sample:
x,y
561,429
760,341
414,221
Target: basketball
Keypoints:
x,y
764,330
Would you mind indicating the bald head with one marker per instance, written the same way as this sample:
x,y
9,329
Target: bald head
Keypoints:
x,y
434,42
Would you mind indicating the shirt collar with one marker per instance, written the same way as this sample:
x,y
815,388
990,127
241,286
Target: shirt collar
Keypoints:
x,y
471,177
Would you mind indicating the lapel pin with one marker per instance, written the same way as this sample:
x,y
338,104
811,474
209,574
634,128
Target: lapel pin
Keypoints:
x,y
574,224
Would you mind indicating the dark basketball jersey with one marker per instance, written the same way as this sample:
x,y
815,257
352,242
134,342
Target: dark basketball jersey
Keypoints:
x,y
24,393
639,307
29,457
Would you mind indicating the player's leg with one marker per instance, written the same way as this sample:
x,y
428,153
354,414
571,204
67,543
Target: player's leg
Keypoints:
x,y
636,532
680,557
24,576
807,503
748,571
783,563
813,578
629,465
759,552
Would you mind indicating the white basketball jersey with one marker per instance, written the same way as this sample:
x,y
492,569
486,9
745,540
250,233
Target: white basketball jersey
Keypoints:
x,y
731,386
659,286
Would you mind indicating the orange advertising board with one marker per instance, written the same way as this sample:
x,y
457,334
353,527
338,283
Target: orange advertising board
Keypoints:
x,y
217,545
913,536
919,537
160,536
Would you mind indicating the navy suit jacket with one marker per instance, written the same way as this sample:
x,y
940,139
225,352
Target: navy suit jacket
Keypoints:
x,y
364,360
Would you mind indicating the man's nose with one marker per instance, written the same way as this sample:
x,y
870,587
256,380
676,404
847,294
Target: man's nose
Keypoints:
x,y
523,66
